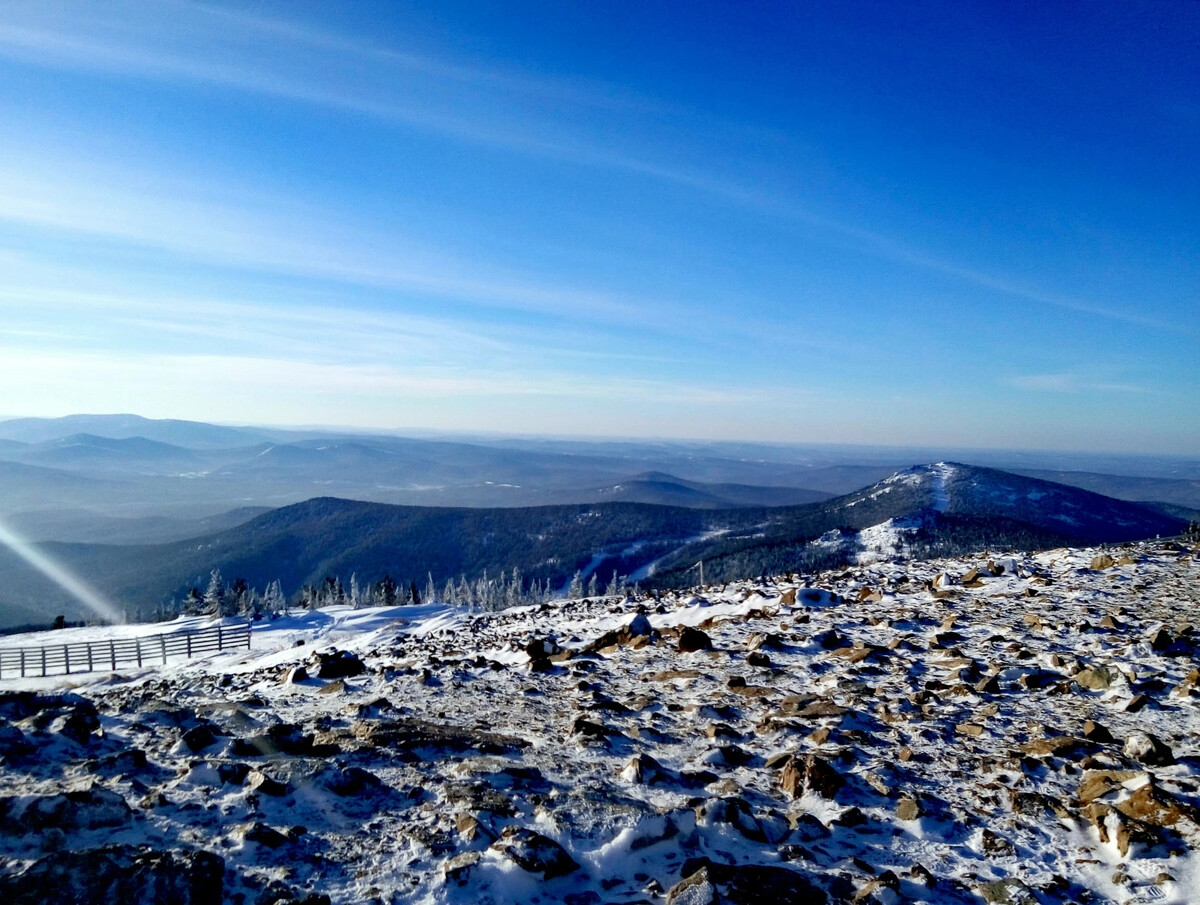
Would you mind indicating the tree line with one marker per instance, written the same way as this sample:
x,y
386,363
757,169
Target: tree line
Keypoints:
x,y
484,594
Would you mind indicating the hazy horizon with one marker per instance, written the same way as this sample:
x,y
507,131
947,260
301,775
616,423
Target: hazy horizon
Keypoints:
x,y
467,434
920,225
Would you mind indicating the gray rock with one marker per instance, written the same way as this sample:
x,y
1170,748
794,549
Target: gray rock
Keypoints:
x,y
262,834
339,664
693,639
13,744
721,884
535,853
259,781
1147,749
200,737
87,809
121,873
1010,891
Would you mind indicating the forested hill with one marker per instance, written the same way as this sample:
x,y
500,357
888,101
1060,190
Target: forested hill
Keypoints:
x,y
957,506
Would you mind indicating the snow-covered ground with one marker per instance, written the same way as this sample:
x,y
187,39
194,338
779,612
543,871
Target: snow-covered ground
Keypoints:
x,y
936,715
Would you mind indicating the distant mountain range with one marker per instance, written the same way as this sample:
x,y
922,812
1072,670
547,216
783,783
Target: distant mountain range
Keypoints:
x,y
943,508
128,479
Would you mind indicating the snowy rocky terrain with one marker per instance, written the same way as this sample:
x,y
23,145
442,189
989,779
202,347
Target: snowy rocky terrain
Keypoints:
x,y
979,729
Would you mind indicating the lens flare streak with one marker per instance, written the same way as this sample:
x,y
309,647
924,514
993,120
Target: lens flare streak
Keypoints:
x,y
59,575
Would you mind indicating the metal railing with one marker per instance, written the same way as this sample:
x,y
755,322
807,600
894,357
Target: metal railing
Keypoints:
x,y
111,653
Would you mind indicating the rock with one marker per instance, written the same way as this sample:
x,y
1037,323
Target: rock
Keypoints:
x,y
831,639
258,781
1113,826
1160,639
200,737
295,676
988,685
1098,783
1096,678
908,808
1033,804
639,625
119,873
722,884
812,774
1094,732
807,827
541,648
589,729
1102,562
693,639
735,812
458,868
1010,891
78,723
262,834
408,734
1147,749
534,852
1137,703
470,828
758,658
1158,807
875,889
760,640
87,809
993,844
479,795
850,817
337,686
347,781
13,744
233,774
339,664
1054,746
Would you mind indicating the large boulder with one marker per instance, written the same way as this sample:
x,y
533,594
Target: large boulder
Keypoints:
x,y
535,853
810,774
13,744
119,873
338,664
693,639
1148,749
723,884
86,809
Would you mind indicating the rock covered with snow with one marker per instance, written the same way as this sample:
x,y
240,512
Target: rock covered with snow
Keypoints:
x,y
998,728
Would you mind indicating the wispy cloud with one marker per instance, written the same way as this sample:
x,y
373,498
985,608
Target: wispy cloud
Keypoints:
x,y
205,376
245,52
1072,383
277,237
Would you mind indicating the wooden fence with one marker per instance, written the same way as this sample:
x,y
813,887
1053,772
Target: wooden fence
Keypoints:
x,y
91,656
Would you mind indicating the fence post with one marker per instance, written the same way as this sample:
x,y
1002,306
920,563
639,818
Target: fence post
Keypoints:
x,y
22,663
188,637
89,650
112,652
67,659
43,662
220,639
162,640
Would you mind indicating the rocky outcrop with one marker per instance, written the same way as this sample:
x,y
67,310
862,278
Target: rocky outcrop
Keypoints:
x,y
721,884
116,874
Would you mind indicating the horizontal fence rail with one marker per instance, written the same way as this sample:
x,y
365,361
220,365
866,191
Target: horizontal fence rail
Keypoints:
x,y
92,656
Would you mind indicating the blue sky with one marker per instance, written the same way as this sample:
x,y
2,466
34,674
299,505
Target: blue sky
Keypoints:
x,y
927,223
